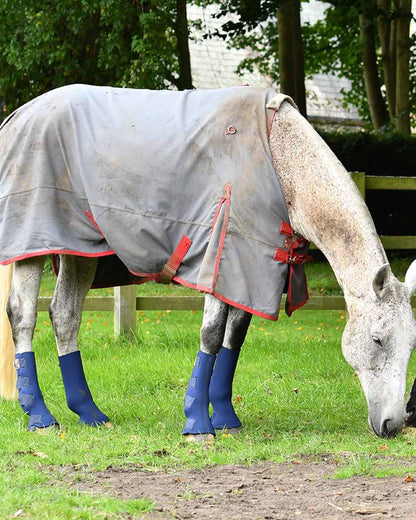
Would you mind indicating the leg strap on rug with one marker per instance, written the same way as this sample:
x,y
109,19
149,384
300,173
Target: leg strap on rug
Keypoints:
x,y
221,390
29,394
196,398
78,395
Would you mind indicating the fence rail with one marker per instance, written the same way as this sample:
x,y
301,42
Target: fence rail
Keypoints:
x,y
125,303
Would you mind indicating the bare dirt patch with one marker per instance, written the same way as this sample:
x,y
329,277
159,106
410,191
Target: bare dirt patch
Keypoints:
x,y
263,491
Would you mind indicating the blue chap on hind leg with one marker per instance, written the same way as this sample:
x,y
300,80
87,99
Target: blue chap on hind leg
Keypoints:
x,y
29,394
78,395
196,398
220,390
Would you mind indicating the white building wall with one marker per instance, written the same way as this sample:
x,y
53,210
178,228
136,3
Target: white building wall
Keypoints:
x,y
214,66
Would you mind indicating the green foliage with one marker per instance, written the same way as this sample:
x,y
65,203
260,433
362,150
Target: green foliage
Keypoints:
x,y
254,26
332,45
47,44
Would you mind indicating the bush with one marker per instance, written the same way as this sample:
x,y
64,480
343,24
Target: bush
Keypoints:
x,y
384,154
394,212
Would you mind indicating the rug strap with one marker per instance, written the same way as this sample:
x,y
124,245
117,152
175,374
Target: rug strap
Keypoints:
x,y
172,265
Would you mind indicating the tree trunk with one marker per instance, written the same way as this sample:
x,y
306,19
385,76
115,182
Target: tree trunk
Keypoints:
x,y
291,68
403,67
182,37
393,63
300,94
378,110
387,34
91,38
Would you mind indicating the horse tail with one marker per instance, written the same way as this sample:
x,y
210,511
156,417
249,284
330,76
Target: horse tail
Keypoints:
x,y
7,372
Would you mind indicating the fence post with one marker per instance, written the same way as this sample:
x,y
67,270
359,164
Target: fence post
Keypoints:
x,y
359,179
125,310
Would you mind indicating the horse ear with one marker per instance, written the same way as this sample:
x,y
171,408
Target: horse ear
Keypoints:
x,y
382,280
410,278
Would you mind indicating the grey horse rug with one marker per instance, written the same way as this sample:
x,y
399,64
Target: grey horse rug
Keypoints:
x,y
164,186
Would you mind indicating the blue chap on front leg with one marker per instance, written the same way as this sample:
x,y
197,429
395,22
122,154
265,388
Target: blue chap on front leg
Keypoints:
x,y
221,389
78,395
29,394
196,398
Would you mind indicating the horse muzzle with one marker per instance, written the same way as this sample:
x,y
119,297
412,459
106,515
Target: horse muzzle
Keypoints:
x,y
386,425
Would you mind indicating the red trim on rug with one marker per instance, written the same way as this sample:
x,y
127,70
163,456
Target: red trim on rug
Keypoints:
x,y
151,276
292,308
225,199
57,252
92,220
270,120
202,288
247,309
226,300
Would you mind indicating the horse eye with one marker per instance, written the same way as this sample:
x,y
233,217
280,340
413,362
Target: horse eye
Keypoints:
x,y
376,340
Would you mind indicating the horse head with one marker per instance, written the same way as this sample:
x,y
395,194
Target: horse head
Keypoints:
x,y
378,340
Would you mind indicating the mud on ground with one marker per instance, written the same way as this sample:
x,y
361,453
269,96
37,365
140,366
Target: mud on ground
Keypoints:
x,y
298,489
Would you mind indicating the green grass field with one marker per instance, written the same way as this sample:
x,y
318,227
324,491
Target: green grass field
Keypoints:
x,y
293,390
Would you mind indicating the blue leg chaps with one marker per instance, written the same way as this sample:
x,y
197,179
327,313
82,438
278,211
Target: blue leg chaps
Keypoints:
x,y
220,390
29,394
78,395
196,398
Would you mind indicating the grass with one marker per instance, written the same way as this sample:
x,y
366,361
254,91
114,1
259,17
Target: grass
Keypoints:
x,y
321,281
294,392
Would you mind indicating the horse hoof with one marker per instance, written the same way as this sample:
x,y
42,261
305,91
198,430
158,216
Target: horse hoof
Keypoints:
x,y
108,425
203,438
229,431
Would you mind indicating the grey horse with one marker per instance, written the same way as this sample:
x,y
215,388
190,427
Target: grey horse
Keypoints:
x,y
321,202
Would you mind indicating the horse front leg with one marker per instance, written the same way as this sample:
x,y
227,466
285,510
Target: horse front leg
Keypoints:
x,y
75,277
198,423
221,387
21,310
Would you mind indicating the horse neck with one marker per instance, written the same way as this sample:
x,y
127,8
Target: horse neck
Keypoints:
x,y
324,204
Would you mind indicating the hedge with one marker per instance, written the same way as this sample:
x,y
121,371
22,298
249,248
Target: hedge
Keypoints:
x,y
391,154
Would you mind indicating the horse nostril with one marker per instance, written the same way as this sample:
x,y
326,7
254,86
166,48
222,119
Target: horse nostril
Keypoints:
x,y
388,429
384,428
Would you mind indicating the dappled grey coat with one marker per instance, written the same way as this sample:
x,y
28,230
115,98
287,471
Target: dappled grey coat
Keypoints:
x,y
136,176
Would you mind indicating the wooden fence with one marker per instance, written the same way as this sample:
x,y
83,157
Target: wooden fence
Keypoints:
x,y
125,303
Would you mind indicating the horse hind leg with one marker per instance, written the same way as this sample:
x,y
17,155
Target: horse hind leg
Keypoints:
x,y
198,425
75,277
221,386
21,310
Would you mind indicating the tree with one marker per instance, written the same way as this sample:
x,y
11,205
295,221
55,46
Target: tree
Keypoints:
x,y
272,29
291,66
45,44
182,38
368,42
376,103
